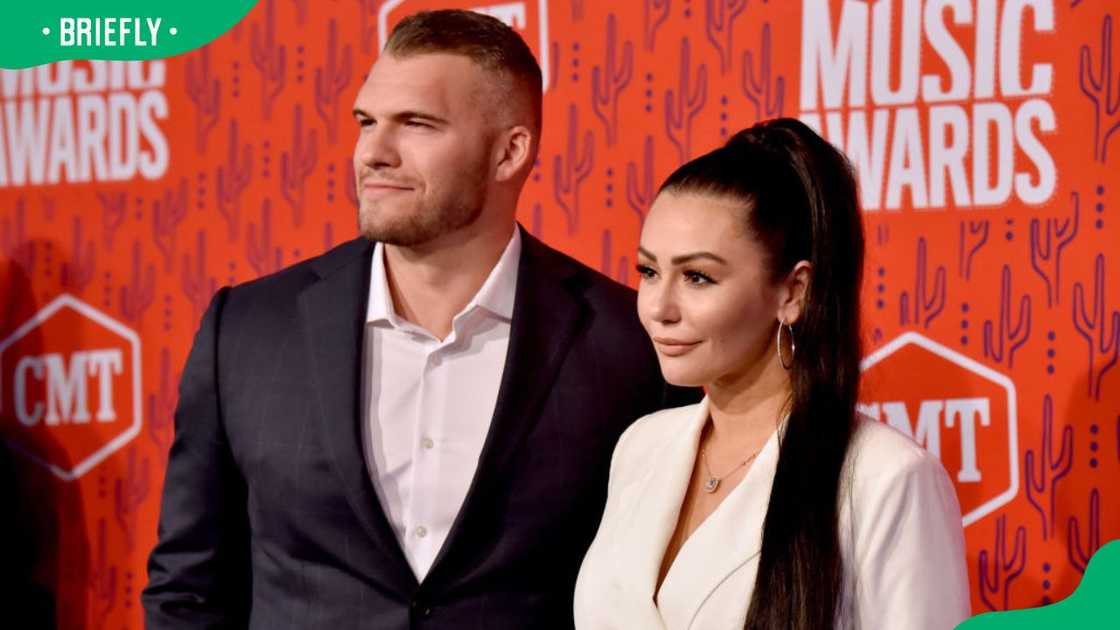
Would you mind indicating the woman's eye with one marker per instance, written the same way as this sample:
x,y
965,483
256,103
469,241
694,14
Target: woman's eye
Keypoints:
x,y
645,271
697,278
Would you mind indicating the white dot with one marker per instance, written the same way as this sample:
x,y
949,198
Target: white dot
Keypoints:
x,y
173,31
421,531
46,30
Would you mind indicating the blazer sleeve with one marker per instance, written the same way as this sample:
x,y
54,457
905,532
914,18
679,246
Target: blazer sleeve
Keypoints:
x,y
909,550
198,573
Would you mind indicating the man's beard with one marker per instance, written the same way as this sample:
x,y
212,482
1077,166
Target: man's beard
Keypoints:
x,y
427,222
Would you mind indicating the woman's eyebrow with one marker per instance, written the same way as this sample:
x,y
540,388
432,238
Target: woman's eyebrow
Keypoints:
x,y
684,258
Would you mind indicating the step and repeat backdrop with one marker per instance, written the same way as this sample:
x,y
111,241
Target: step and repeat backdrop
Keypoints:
x,y
986,135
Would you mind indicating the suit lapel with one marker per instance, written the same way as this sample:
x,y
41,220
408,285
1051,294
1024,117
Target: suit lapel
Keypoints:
x,y
333,314
547,313
729,538
656,497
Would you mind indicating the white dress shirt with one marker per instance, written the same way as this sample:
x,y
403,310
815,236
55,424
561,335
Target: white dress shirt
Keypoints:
x,y
900,530
427,404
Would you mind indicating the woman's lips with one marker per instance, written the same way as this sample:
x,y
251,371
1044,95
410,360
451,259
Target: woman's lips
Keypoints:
x,y
673,347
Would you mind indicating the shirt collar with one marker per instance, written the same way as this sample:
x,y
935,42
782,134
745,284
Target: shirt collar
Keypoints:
x,y
496,294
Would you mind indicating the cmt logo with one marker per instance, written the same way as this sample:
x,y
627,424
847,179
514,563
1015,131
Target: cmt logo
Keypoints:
x,y
70,387
528,17
959,410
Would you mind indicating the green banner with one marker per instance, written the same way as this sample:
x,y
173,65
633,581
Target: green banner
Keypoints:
x,y
119,30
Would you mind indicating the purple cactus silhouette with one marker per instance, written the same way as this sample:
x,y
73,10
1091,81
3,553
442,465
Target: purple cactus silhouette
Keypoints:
x,y
232,178
640,186
1045,468
129,492
197,285
167,213
764,91
921,307
263,257
269,58
1001,336
999,567
297,165
609,80
654,14
206,94
77,271
1094,322
114,208
139,293
570,169
970,243
1079,556
1102,88
720,26
331,80
1047,246
684,104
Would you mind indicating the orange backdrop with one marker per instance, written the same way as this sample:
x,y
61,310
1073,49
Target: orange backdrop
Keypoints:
x,y
983,132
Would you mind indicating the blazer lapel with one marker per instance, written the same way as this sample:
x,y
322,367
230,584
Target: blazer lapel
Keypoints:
x,y
729,538
547,313
656,499
333,315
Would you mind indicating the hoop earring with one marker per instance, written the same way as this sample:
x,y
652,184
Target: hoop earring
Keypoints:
x,y
792,345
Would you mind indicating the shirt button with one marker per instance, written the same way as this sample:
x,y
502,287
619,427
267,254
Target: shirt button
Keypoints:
x,y
427,443
421,531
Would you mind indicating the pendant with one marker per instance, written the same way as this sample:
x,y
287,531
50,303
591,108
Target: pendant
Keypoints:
x,y
711,485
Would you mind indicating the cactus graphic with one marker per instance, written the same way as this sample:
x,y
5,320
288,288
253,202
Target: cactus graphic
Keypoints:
x,y
1103,89
571,169
206,94
331,80
925,306
639,187
195,283
167,214
139,293
998,570
1001,333
13,238
232,180
619,271
102,576
297,165
655,13
161,406
269,58
1047,251
1088,324
114,207
970,243
77,272
685,103
129,492
1051,467
721,15
1078,556
367,28
765,92
608,81
263,257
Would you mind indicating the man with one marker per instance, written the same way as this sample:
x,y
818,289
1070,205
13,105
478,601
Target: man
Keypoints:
x,y
415,428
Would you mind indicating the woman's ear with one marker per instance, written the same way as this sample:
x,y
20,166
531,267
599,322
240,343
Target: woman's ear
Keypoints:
x,y
793,292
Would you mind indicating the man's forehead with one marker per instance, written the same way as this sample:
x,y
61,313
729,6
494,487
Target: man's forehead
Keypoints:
x,y
441,79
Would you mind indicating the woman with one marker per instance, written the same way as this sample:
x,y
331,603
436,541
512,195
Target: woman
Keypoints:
x,y
770,504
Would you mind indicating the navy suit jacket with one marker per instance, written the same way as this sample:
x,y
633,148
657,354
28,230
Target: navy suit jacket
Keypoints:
x,y
269,518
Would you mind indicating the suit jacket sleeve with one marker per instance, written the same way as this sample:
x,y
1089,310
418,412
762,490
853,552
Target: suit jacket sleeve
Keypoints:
x,y
198,573
909,556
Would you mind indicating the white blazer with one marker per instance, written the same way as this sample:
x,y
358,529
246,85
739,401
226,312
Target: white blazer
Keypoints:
x,y
900,535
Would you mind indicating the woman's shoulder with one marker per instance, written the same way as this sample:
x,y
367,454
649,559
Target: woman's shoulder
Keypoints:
x,y
881,456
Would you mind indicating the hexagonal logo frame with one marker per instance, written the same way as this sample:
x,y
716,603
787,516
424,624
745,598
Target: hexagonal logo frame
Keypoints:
x,y
1002,381
127,335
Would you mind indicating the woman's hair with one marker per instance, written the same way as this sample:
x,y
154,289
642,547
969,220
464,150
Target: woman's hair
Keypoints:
x,y
800,202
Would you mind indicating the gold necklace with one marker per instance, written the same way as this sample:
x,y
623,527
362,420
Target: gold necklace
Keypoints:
x,y
712,484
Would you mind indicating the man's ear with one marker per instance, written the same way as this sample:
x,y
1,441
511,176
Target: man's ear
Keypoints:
x,y
794,291
512,153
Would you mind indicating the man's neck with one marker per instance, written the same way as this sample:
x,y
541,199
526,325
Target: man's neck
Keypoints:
x,y
432,283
